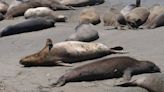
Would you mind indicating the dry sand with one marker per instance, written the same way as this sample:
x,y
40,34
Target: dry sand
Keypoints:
x,y
142,44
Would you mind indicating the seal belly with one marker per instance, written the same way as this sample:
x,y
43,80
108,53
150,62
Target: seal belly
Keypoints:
x,y
79,51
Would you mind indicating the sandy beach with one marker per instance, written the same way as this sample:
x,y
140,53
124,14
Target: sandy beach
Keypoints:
x,y
141,44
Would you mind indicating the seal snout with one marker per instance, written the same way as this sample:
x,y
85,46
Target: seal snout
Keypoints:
x,y
157,69
23,62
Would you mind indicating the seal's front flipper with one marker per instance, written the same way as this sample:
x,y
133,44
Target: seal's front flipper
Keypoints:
x,y
127,74
60,63
60,82
126,78
125,84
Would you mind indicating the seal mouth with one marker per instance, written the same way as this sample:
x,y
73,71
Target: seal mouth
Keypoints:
x,y
156,69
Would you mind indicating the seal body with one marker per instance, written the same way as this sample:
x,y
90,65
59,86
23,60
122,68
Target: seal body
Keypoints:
x,y
109,17
27,26
108,68
44,12
137,17
68,52
129,8
151,82
3,7
157,22
114,18
84,33
38,12
81,3
21,6
155,18
89,15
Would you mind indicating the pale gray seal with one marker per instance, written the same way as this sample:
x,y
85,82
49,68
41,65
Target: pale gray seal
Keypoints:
x,y
68,52
44,12
84,33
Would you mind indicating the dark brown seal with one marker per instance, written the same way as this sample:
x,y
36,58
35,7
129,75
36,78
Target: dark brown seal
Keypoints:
x,y
108,68
151,82
20,7
68,52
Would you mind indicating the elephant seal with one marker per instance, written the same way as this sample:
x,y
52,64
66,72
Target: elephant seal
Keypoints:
x,y
19,7
108,68
155,18
137,17
89,15
154,12
3,7
151,82
157,22
27,26
130,7
114,18
81,3
84,33
68,52
44,12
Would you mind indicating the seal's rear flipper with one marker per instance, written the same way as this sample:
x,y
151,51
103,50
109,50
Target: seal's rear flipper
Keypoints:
x,y
117,48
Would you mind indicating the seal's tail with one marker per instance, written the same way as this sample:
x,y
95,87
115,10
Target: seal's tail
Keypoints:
x,y
116,50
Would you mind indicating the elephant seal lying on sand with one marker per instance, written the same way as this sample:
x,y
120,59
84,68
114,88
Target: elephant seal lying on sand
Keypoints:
x,y
108,68
89,15
81,3
18,8
137,17
27,26
113,18
44,12
151,82
156,17
130,7
84,33
67,52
